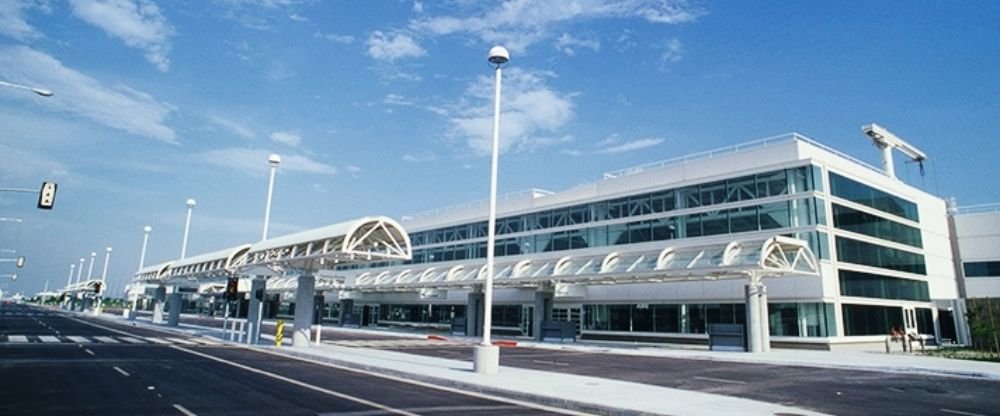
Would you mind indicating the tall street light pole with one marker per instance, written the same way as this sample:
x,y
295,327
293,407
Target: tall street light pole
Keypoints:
x,y
79,271
187,226
145,241
486,357
69,280
272,161
40,91
90,269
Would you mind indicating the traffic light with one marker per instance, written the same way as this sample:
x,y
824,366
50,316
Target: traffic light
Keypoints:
x,y
47,195
232,289
97,288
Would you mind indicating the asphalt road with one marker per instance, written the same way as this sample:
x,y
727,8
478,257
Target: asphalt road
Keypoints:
x,y
832,391
58,364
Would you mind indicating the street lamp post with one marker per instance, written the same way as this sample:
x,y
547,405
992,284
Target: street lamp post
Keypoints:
x,y
486,357
40,91
145,241
90,269
69,280
274,160
187,226
79,271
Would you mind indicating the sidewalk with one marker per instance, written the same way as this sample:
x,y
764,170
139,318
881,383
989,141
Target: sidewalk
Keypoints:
x,y
559,390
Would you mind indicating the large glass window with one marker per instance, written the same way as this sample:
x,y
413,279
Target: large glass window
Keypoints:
x,y
859,252
872,225
871,320
865,195
981,268
869,285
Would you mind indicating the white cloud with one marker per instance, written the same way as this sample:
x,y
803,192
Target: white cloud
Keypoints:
x,y
252,162
389,47
120,107
517,24
287,138
673,50
631,146
233,126
138,23
297,18
333,37
259,14
424,156
567,44
396,99
21,165
352,169
12,20
418,7
531,112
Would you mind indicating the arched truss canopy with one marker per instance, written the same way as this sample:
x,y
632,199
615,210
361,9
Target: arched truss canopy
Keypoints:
x,y
291,283
222,263
152,273
362,240
86,286
775,256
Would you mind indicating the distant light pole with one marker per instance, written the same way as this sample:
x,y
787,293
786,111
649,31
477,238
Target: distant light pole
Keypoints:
x,y
69,280
40,91
145,241
104,274
90,269
187,226
273,161
80,270
486,357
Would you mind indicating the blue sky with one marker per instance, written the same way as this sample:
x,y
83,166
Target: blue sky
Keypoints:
x,y
384,107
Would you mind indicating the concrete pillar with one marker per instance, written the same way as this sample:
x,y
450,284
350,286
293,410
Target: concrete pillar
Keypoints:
x,y
85,304
474,313
254,314
765,319
174,306
543,311
304,298
346,308
159,295
753,318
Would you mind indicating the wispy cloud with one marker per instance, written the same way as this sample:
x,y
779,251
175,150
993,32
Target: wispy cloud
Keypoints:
x,y
13,22
121,107
233,126
568,44
673,51
260,14
532,112
393,46
252,162
287,138
333,37
631,146
518,24
21,165
420,157
138,23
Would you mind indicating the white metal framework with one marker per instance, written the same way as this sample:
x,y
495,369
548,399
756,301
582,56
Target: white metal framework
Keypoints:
x,y
222,263
365,239
152,273
775,256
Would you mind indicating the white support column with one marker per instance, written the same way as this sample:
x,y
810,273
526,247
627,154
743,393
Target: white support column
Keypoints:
x,y
765,321
753,317
175,303
304,303
159,296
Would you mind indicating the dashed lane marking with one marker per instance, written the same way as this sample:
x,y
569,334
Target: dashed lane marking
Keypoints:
x,y
20,339
48,338
181,341
107,340
123,372
186,412
131,340
78,339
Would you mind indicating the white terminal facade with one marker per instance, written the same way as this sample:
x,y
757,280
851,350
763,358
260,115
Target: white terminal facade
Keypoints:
x,y
658,253
885,256
977,230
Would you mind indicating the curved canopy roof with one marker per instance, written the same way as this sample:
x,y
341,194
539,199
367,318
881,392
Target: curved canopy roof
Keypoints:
x,y
220,263
86,286
775,256
152,273
366,239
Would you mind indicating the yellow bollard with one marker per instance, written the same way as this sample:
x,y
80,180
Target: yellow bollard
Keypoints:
x,y
279,333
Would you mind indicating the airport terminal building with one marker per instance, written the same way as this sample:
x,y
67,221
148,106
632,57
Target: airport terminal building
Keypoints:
x,y
883,248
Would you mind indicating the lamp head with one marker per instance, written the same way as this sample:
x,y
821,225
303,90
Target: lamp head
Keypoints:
x,y
41,91
499,55
191,203
108,249
274,159
147,229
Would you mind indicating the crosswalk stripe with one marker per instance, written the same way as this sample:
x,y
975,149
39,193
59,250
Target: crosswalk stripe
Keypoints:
x,y
48,338
17,338
182,341
78,339
107,340
156,340
132,340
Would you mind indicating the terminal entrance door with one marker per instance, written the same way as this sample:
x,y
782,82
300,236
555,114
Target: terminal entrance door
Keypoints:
x,y
570,313
910,319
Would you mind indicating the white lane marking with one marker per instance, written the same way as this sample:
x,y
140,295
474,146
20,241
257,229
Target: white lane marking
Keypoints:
x,y
131,340
299,383
48,338
719,380
124,373
181,341
959,412
17,338
89,351
78,339
156,340
208,342
466,393
107,340
183,410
